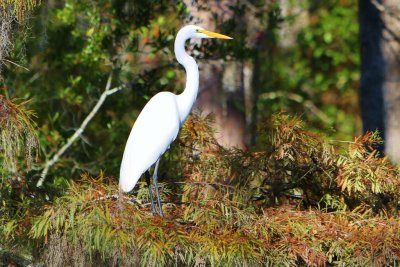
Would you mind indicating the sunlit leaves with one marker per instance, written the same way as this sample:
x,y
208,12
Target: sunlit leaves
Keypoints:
x,y
317,57
367,175
225,221
276,236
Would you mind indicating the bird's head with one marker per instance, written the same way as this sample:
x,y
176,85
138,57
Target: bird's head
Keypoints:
x,y
193,31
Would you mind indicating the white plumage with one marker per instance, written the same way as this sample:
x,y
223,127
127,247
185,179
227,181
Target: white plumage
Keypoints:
x,y
158,123
154,130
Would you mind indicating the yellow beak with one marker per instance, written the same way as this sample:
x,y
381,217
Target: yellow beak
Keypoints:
x,y
215,35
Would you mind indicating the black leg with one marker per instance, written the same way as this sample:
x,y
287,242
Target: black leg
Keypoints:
x,y
155,179
147,175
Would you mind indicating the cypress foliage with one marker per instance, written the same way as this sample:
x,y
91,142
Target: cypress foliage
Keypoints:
x,y
299,201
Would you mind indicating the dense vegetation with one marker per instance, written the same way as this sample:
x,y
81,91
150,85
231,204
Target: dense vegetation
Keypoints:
x,y
296,202
306,193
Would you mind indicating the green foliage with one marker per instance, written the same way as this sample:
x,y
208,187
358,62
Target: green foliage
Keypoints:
x,y
313,65
252,217
89,40
134,39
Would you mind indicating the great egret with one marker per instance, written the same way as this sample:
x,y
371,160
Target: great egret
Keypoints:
x,y
158,124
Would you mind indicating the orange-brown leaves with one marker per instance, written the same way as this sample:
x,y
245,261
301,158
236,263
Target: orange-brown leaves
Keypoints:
x,y
17,134
296,201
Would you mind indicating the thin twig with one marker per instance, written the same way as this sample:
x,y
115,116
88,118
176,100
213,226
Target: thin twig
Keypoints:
x,y
205,183
78,132
341,141
16,64
133,200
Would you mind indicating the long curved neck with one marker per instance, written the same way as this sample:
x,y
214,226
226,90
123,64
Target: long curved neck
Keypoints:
x,y
187,98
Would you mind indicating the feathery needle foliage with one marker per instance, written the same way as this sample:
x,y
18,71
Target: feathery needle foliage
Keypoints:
x,y
93,223
17,134
285,205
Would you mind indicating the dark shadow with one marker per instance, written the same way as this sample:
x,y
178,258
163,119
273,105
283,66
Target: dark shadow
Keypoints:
x,y
372,69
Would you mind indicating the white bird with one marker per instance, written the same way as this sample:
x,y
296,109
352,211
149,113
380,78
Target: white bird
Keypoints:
x,y
158,123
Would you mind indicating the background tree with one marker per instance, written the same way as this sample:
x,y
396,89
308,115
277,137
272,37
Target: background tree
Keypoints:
x,y
379,94
221,81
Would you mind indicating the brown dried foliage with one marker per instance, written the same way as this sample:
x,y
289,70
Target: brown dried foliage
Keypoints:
x,y
286,205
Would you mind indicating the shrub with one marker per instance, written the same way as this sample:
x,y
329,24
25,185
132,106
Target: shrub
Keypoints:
x,y
298,201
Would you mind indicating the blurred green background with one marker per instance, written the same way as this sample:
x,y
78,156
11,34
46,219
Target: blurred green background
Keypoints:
x,y
303,58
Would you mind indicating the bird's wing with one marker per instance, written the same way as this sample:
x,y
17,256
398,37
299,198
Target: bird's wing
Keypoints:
x,y
154,130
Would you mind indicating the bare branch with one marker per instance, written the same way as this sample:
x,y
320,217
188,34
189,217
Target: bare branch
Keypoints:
x,y
16,64
78,132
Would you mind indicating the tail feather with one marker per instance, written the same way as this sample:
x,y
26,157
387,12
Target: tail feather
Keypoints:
x,y
128,179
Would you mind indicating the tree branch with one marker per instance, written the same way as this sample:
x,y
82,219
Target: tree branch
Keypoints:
x,y
16,64
78,132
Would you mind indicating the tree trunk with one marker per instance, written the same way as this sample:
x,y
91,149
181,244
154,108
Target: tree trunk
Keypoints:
x,y
221,82
380,72
391,86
